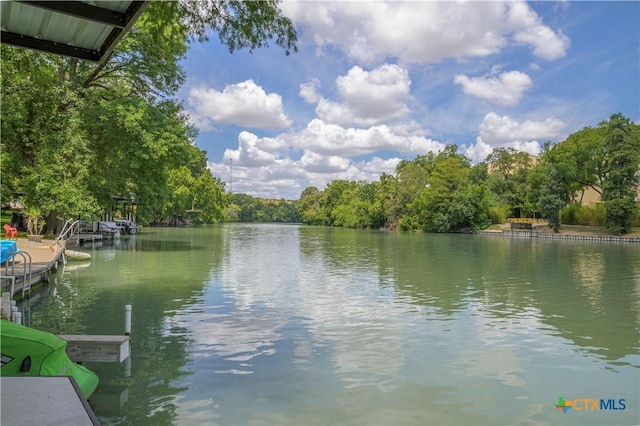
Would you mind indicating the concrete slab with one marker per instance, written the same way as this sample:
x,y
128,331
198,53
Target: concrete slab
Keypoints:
x,y
58,401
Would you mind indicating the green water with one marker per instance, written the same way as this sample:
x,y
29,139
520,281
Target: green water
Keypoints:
x,y
292,325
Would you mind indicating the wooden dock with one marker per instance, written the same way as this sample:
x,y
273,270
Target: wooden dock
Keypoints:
x,y
97,348
43,261
57,398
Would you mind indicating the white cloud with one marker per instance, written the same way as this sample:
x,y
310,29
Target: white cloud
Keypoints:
x,y
498,130
244,104
309,91
534,67
331,139
316,163
377,165
334,112
287,178
264,166
529,30
251,152
504,89
502,131
424,32
368,97
478,152
375,96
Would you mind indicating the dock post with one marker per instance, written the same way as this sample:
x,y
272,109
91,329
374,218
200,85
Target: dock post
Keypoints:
x,y
127,332
127,367
127,320
6,305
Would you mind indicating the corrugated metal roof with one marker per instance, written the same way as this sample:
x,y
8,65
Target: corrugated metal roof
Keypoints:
x,y
82,29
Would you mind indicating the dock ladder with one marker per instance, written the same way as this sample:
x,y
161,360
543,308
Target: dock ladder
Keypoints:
x,y
25,276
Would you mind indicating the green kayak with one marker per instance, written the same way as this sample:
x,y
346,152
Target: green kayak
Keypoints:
x,y
30,352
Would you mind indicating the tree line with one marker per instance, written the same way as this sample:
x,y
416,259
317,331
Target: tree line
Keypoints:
x,y
76,133
444,192
245,208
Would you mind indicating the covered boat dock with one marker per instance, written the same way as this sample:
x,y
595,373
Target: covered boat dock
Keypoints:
x,y
83,30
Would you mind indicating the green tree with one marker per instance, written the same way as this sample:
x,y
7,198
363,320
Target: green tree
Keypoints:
x,y
45,152
388,200
450,201
412,177
552,195
508,180
209,198
621,153
578,160
180,197
310,206
74,133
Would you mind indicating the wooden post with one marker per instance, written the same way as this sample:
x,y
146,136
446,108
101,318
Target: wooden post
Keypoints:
x,y
127,320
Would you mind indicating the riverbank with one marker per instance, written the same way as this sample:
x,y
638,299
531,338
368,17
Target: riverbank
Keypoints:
x,y
567,232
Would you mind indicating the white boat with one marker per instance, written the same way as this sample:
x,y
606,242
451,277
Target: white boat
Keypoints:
x,y
76,255
128,226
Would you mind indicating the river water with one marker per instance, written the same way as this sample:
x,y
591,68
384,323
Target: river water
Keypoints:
x,y
292,325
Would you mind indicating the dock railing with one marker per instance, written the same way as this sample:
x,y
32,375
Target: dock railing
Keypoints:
x,y
526,220
70,228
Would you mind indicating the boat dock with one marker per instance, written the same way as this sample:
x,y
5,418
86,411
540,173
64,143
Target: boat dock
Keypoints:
x,y
19,274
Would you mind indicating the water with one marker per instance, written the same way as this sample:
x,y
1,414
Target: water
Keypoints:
x,y
293,325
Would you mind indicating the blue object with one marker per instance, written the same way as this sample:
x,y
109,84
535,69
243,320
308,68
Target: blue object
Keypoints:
x,y
8,249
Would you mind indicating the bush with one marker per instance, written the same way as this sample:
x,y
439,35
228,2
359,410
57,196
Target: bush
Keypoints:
x,y
575,214
636,220
408,224
620,214
592,215
498,214
568,214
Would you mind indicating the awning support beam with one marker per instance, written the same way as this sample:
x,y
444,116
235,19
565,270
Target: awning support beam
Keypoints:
x,y
82,10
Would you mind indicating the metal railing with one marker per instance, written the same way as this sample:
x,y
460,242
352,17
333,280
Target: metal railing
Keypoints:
x,y
25,275
70,227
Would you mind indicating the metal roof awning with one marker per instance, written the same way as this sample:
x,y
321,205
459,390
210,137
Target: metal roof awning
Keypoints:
x,y
80,29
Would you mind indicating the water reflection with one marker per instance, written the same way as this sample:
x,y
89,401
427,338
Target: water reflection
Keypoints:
x,y
589,269
274,324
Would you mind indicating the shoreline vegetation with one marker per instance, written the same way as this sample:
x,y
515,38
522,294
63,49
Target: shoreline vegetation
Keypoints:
x,y
592,178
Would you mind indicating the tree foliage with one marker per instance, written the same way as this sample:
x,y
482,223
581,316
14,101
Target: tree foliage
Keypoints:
x,y
75,133
245,208
552,191
621,170
443,192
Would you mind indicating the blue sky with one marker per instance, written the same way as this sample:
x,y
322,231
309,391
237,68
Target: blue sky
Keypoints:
x,y
377,82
